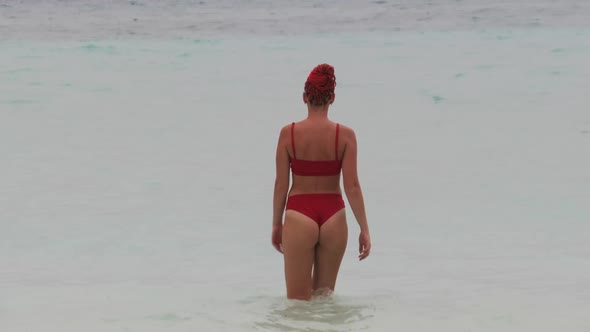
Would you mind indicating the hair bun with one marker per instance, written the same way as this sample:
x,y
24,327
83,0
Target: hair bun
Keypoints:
x,y
320,84
324,69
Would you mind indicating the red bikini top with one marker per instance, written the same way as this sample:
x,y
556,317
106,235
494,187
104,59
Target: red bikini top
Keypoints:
x,y
315,167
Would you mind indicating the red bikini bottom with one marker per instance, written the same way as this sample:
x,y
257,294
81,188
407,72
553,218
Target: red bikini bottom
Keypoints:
x,y
319,207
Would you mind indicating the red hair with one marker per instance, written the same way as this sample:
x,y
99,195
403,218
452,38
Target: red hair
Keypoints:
x,y
320,85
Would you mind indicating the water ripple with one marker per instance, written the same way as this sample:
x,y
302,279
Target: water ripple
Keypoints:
x,y
330,313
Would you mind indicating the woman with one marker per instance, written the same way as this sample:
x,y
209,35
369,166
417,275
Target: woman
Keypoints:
x,y
314,235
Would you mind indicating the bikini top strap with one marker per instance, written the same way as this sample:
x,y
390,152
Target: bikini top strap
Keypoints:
x,y
293,139
336,145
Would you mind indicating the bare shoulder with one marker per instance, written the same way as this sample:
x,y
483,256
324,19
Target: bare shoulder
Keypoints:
x,y
284,134
285,130
347,133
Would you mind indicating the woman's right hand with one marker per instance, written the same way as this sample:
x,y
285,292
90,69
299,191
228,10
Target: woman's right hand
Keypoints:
x,y
277,237
364,245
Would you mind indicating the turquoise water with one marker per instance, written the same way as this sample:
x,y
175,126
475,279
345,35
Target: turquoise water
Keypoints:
x,y
137,172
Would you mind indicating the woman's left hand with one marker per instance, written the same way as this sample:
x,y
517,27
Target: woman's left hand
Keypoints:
x,y
277,237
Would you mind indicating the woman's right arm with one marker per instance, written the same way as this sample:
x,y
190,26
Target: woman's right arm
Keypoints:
x,y
354,194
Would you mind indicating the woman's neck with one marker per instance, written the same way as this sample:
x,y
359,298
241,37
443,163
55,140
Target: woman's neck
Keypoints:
x,y
317,112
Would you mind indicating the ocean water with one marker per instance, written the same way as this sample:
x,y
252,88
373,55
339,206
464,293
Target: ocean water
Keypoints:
x,y
137,141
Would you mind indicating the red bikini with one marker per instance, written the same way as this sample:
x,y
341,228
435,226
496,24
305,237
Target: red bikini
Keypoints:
x,y
317,206
315,167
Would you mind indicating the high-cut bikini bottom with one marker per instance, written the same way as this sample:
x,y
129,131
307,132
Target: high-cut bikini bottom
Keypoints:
x,y
319,207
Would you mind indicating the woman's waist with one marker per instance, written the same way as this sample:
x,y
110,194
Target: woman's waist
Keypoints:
x,y
295,192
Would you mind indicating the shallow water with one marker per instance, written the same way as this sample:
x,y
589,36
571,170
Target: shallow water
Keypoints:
x,y
136,177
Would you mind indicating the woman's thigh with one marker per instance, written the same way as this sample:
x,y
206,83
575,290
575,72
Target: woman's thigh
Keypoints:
x,y
333,236
300,236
